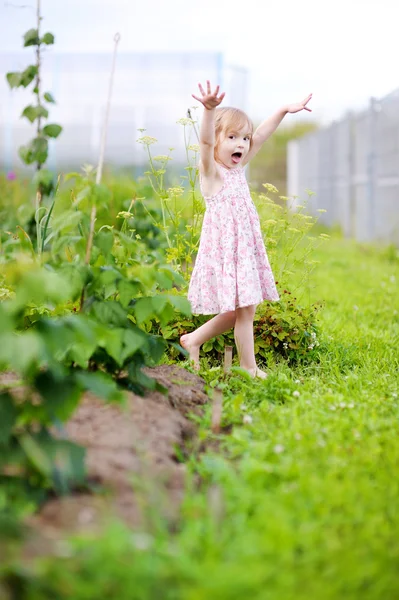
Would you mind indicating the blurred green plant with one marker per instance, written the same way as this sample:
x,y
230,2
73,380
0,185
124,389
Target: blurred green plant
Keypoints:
x,y
36,151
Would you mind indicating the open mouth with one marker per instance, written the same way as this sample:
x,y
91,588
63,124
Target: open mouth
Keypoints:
x,y
236,157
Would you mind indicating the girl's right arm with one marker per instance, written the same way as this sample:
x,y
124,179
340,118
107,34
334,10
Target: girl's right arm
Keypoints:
x,y
210,100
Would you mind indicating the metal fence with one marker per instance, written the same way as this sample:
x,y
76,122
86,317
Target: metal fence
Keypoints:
x,y
352,168
151,91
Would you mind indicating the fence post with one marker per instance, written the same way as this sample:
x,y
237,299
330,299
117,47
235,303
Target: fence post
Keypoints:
x,y
371,171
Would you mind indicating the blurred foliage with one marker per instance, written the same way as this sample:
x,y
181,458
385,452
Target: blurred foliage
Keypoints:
x,y
270,164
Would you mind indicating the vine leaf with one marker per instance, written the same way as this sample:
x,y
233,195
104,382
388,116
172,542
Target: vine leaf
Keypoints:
x,y
34,112
49,97
14,79
52,130
48,39
31,38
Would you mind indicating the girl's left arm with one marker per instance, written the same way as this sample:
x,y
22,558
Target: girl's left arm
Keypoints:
x,y
265,129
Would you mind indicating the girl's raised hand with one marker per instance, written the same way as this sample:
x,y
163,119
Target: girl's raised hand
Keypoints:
x,y
298,106
209,99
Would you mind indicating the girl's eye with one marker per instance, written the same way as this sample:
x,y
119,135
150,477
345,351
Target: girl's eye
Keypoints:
x,y
231,137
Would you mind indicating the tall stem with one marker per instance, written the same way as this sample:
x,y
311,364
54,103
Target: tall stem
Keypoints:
x,y
38,80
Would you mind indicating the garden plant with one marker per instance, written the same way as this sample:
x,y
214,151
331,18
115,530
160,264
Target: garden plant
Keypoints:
x,y
293,495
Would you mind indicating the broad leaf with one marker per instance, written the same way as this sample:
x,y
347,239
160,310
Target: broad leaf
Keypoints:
x,y
101,385
14,79
127,291
143,309
26,155
36,455
133,340
48,39
181,304
28,75
110,313
52,130
49,97
60,394
8,417
31,38
34,112
104,240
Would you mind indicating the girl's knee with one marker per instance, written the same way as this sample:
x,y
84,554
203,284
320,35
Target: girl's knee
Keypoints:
x,y
246,312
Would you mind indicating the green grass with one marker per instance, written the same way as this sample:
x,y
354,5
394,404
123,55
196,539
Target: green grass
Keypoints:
x,y
300,503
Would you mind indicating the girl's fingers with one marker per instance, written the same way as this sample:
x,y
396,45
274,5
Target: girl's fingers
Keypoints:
x,y
222,96
208,86
215,93
201,89
196,97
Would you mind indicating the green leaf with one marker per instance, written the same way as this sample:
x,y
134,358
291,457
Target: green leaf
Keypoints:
x,y
48,39
34,112
44,179
14,79
68,464
207,347
31,38
104,240
8,417
181,304
143,309
133,340
113,342
28,75
39,147
101,385
127,291
52,130
110,313
36,455
49,97
60,394
26,155
101,194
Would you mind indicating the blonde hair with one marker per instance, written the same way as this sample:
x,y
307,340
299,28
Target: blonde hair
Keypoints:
x,y
228,120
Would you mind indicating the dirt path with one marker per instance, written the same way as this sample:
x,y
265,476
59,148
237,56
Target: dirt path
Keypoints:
x,y
132,453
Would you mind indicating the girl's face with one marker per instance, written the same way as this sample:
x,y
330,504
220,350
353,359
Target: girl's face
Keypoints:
x,y
233,147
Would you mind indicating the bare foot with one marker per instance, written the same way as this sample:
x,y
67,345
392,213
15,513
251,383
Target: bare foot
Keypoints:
x,y
257,373
192,349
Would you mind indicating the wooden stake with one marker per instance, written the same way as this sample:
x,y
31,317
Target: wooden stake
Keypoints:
x,y
217,408
228,357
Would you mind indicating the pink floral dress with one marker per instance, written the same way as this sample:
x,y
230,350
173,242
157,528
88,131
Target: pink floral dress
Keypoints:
x,y
231,269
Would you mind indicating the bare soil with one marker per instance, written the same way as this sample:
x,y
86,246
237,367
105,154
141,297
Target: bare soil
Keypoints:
x,y
132,452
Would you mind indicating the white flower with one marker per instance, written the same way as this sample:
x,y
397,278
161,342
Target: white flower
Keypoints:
x,y
278,448
297,381
351,405
311,347
332,407
141,541
296,393
247,419
243,407
343,404
313,334
298,436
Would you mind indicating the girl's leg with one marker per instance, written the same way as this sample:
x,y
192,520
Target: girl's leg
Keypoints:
x,y
244,337
193,341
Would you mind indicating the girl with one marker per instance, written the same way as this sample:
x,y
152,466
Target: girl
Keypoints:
x,y
232,272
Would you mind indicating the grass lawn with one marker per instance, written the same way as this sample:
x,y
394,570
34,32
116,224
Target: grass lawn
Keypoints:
x,y
300,500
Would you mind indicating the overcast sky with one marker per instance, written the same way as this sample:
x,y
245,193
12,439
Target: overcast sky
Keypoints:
x,y
344,51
